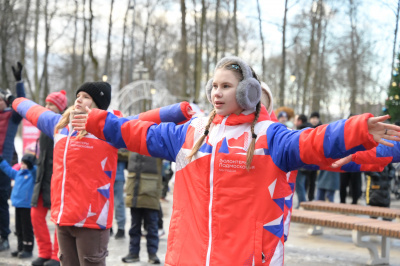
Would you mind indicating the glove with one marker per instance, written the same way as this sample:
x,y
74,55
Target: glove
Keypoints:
x,y
7,96
17,72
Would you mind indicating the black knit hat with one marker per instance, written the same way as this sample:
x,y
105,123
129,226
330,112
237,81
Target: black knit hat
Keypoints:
x,y
99,91
314,114
29,160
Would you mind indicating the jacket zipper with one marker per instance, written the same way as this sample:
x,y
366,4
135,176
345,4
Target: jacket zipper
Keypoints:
x,y
64,173
214,144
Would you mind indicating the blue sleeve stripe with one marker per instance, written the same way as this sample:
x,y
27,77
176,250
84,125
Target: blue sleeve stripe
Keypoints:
x,y
172,113
334,140
166,140
334,144
47,122
112,124
281,140
24,106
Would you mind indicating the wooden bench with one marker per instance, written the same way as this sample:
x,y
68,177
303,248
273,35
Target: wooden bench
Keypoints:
x,y
360,227
383,212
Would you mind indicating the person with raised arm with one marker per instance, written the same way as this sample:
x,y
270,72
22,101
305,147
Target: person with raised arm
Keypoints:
x,y
9,122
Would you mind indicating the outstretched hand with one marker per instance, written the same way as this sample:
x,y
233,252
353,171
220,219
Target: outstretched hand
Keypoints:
x,y
381,131
341,162
190,111
79,120
18,72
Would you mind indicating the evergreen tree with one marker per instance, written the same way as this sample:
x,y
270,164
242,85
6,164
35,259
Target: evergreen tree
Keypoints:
x,y
393,100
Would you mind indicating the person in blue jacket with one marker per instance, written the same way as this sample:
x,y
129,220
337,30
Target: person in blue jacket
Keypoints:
x,y
21,196
9,121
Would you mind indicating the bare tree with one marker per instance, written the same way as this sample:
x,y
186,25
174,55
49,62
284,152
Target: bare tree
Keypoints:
x,y
184,65
308,66
21,28
315,89
150,7
395,39
208,55
262,40
25,25
74,65
132,48
107,61
235,27
353,70
225,30
95,62
199,58
216,47
45,77
83,60
122,60
5,25
283,68
35,49
320,75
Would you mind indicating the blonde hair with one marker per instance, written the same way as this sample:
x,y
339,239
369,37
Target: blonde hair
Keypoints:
x,y
197,146
64,121
250,150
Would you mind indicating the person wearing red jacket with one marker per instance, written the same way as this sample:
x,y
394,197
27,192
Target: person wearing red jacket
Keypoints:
x,y
84,169
47,252
233,167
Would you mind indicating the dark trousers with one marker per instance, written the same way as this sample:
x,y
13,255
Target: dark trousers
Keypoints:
x,y
165,181
4,214
150,217
300,187
82,246
160,218
310,184
353,181
23,229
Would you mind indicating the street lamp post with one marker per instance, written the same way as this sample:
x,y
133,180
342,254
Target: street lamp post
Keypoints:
x,y
140,69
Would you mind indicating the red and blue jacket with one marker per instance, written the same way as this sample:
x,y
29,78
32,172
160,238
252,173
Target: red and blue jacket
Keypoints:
x,y
84,169
224,214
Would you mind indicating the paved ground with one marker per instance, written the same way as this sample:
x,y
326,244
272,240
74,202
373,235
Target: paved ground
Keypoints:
x,y
334,247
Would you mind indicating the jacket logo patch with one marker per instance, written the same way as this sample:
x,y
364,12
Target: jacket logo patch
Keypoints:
x,y
232,165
